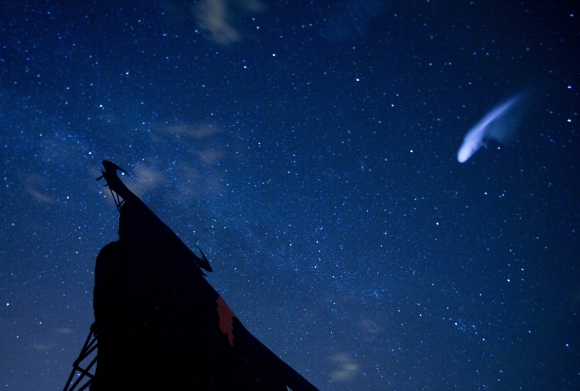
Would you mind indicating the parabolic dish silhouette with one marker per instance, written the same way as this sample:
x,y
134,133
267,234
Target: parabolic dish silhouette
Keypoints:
x,y
159,325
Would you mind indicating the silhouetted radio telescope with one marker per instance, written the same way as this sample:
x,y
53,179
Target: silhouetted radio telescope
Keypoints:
x,y
159,325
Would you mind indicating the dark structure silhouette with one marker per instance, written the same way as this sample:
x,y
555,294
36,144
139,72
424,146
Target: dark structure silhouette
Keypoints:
x,y
159,325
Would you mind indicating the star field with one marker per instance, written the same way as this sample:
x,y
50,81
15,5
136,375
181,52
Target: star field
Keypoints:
x,y
309,148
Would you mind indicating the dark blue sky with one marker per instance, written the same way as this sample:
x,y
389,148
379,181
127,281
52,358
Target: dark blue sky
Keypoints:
x,y
309,148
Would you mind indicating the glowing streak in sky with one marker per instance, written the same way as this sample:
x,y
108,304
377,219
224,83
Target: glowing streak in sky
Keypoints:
x,y
491,126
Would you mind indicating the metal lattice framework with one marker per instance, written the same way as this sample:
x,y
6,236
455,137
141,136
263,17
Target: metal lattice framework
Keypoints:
x,y
84,376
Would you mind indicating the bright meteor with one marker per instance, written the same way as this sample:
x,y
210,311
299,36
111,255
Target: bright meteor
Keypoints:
x,y
493,126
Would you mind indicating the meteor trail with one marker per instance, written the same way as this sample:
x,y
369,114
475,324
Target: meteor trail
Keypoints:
x,y
492,126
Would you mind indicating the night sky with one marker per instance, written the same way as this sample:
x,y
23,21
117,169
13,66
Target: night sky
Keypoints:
x,y
310,149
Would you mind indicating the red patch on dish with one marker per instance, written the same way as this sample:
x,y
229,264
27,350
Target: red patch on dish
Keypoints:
x,y
226,319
